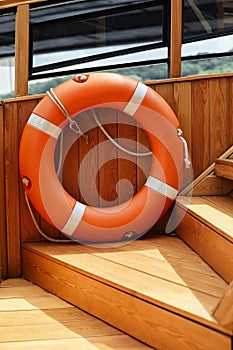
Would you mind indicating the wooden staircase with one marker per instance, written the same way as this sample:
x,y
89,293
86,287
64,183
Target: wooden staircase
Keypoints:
x,y
208,224
155,289
160,289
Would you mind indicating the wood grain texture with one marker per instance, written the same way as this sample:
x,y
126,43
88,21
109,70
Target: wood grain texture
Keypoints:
x,y
175,38
88,163
230,109
192,102
108,298
166,91
200,136
22,50
223,311
214,211
107,169
208,230
183,109
32,318
11,139
28,231
218,118
224,168
3,245
127,169
213,185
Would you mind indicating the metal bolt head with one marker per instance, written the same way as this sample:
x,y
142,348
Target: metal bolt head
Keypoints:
x,y
26,182
129,234
81,78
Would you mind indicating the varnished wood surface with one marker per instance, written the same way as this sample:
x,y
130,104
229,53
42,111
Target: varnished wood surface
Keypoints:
x,y
213,185
207,228
214,211
175,38
12,3
3,238
223,311
193,106
31,318
198,181
224,168
21,49
156,282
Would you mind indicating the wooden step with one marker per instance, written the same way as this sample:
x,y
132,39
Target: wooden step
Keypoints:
x,y
155,289
224,168
208,228
31,318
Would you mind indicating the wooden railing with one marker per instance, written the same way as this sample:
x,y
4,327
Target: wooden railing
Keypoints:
x,y
205,110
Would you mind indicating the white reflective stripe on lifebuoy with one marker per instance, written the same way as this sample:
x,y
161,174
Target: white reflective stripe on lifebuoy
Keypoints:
x,y
136,99
44,125
74,219
161,187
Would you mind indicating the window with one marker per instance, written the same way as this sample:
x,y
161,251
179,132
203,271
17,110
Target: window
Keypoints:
x,y
97,35
204,19
7,52
207,37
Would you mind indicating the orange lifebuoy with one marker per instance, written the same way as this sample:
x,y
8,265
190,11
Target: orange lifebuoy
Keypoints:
x,y
86,223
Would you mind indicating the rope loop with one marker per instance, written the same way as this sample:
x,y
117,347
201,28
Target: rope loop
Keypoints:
x,y
186,153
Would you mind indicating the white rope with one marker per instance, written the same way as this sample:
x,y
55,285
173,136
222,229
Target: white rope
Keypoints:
x,y
186,152
73,125
39,229
58,172
117,144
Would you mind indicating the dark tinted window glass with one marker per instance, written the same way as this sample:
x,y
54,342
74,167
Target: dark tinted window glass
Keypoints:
x,y
7,35
86,28
7,52
206,18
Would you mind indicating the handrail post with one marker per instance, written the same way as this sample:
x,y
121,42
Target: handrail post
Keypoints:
x,y
21,50
175,38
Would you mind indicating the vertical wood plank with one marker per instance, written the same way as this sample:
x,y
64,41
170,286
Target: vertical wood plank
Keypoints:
x,y
175,38
127,164
167,92
88,161
3,245
143,163
204,107
183,110
200,126
28,230
218,117
230,110
69,171
21,50
108,163
12,189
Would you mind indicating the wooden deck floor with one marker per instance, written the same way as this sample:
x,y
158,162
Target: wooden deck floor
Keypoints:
x,y
156,289
31,318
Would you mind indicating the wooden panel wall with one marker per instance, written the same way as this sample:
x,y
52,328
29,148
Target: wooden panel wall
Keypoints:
x,y
3,247
203,106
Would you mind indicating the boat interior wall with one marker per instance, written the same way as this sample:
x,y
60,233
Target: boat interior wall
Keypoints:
x,y
203,106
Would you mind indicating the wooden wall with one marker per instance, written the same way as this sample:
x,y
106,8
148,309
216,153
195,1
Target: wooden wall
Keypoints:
x,y
203,105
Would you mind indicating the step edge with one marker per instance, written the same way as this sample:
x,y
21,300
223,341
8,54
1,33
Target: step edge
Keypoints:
x,y
212,324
